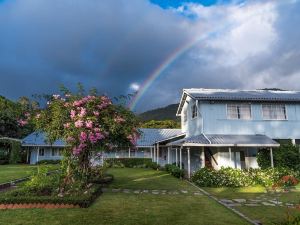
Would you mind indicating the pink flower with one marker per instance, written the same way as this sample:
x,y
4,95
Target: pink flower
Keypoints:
x,y
89,124
79,123
96,113
22,123
73,114
66,125
119,119
82,112
70,139
83,137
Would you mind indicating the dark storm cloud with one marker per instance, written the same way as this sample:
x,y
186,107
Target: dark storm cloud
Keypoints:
x,y
106,44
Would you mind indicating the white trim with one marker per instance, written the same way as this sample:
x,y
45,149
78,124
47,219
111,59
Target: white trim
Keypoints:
x,y
189,162
239,103
180,157
231,145
286,112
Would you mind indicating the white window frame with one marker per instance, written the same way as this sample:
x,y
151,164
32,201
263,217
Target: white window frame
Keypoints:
x,y
227,115
194,110
274,104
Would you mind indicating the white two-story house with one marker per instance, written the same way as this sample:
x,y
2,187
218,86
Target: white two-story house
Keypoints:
x,y
226,128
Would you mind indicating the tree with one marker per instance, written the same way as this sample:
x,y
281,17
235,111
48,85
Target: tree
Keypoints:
x,y
88,125
161,124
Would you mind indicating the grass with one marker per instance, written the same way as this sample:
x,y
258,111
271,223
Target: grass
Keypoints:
x,y
13,172
266,214
131,209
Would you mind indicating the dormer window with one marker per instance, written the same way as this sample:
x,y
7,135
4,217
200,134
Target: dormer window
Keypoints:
x,y
240,111
194,111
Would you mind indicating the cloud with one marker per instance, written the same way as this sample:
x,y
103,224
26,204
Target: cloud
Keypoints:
x,y
115,46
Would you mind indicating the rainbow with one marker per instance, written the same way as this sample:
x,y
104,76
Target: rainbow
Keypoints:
x,y
181,50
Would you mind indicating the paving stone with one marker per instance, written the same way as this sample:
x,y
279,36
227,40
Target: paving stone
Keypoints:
x,y
289,204
175,193
126,191
145,191
239,200
275,202
116,190
268,204
197,193
184,191
136,191
251,204
255,200
155,192
233,204
227,201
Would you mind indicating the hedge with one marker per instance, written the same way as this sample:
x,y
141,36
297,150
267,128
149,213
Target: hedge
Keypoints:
x,y
129,162
49,161
174,170
229,177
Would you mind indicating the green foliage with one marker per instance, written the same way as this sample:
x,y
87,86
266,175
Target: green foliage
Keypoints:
x,y
287,155
45,162
128,162
174,170
229,177
291,220
15,152
165,113
171,124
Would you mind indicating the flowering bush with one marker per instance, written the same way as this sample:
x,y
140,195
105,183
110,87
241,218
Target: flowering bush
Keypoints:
x,y
87,124
229,177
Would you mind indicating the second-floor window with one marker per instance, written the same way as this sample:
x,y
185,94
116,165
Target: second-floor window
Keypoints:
x,y
239,111
194,110
274,112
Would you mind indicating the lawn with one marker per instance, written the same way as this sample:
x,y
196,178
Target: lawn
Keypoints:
x,y
12,172
131,209
265,214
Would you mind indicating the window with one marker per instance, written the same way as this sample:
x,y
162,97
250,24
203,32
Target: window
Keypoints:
x,y
274,112
239,111
194,111
55,152
41,152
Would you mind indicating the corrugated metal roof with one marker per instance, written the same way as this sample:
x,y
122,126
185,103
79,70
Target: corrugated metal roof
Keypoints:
x,y
150,136
243,95
39,139
227,140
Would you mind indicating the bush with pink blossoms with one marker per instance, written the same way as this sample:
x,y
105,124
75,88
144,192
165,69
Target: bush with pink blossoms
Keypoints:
x,y
87,124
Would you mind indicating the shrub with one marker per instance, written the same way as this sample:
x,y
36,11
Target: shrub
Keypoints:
x,y
45,161
229,177
287,155
174,170
128,162
153,165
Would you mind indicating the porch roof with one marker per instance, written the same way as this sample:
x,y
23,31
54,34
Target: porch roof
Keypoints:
x,y
217,140
39,139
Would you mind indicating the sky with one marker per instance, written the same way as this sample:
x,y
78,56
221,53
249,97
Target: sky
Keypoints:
x,y
155,47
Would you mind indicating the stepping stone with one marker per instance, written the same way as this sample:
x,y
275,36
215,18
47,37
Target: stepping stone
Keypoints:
x,y
251,204
198,193
233,204
226,201
175,193
155,192
184,191
145,191
136,192
116,190
267,204
289,204
275,202
239,200
104,189
255,200
126,191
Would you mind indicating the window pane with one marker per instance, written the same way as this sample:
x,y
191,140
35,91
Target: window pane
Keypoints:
x,y
239,111
274,112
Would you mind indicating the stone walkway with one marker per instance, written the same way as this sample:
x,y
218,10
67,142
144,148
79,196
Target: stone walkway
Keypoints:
x,y
153,192
258,201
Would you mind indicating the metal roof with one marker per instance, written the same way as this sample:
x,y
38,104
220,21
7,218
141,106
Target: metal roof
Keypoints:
x,y
227,140
148,138
151,136
239,95
39,139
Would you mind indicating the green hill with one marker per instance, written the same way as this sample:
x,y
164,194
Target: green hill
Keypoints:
x,y
165,113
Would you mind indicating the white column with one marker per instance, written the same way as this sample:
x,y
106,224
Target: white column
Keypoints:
x,y
157,156
180,158
27,156
154,153
176,157
230,158
129,153
37,154
271,154
168,155
202,157
189,163
151,153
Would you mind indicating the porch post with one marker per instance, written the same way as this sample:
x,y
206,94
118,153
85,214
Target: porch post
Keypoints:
x,y
168,155
202,158
230,159
189,163
157,156
151,152
180,157
129,153
27,155
176,157
271,154
37,154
